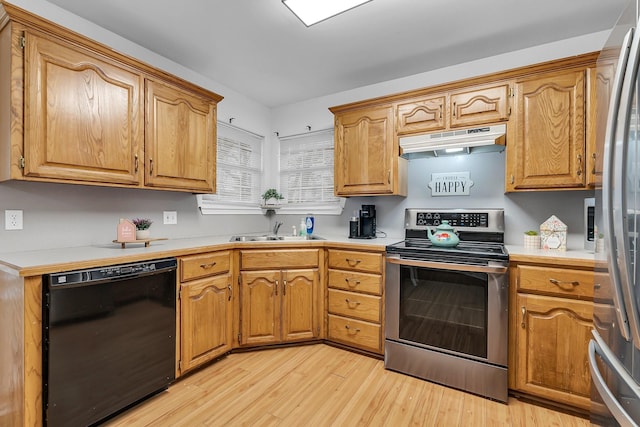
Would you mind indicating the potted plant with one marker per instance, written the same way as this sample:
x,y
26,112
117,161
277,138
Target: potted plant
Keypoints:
x,y
531,239
142,227
271,197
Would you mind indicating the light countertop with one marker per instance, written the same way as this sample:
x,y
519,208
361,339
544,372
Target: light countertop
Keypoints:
x,y
36,262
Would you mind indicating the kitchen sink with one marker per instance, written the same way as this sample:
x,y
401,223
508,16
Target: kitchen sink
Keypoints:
x,y
271,238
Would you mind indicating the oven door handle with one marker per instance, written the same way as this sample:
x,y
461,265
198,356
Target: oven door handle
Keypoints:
x,y
491,268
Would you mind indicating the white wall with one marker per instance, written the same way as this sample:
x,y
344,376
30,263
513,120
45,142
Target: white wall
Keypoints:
x,y
60,215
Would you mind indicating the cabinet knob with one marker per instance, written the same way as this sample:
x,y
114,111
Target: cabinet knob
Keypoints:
x,y
349,281
579,172
348,328
561,283
205,266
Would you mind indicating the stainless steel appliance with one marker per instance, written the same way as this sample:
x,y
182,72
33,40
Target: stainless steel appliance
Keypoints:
x,y
614,351
446,308
109,339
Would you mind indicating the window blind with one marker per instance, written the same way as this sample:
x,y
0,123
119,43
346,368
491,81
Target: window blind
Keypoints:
x,y
306,168
238,166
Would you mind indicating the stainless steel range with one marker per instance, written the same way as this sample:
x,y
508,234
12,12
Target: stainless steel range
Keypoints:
x,y
446,307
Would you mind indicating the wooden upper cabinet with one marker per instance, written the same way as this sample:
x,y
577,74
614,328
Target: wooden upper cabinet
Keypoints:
x,y
548,148
77,111
599,89
180,139
366,153
83,115
476,106
424,115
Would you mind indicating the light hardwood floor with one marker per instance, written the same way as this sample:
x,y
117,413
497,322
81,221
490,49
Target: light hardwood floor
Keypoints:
x,y
319,385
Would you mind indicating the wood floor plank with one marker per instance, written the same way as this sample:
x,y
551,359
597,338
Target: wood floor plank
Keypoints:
x,y
320,385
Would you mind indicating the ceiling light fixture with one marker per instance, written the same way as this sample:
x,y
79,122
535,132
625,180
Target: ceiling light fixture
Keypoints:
x,y
313,11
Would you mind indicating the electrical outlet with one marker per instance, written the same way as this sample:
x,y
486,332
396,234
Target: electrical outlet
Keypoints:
x,y
170,217
13,220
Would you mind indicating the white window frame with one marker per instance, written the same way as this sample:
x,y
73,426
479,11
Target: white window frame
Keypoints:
x,y
210,204
333,207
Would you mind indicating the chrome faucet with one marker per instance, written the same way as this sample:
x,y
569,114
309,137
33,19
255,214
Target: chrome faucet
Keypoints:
x,y
276,227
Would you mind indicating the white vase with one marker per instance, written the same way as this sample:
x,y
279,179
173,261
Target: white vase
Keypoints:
x,y
531,242
143,234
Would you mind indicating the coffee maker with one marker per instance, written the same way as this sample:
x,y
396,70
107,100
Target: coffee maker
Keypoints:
x,y
364,225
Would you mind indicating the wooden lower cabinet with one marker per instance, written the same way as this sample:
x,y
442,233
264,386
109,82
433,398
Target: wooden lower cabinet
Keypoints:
x,y
206,308
551,329
279,296
355,299
206,315
278,306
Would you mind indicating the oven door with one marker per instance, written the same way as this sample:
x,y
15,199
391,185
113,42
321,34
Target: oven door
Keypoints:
x,y
452,308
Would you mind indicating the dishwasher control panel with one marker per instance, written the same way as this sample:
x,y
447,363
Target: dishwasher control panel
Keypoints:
x,y
111,272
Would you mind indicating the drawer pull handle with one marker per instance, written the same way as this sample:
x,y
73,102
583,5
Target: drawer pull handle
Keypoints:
x,y
208,265
350,303
230,291
136,163
355,282
353,262
348,328
560,283
524,314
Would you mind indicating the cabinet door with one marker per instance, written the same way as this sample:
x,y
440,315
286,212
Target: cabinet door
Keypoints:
x,y
365,152
552,358
600,86
479,106
421,116
83,115
260,316
206,316
299,304
548,151
180,139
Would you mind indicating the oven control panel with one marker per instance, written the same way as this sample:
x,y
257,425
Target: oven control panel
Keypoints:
x,y
476,220
455,219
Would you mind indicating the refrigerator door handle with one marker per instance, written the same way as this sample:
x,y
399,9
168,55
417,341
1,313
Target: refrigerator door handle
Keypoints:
x,y
598,347
607,184
620,213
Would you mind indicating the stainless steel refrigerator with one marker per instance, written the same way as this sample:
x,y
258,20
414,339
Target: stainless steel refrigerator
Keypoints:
x,y
614,351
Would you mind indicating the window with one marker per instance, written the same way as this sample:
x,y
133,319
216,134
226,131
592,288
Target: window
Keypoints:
x,y
238,172
306,173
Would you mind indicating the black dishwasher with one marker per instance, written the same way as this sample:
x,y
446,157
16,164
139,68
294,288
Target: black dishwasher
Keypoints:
x,y
109,339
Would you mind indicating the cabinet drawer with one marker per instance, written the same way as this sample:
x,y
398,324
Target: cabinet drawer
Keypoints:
x,y
558,281
351,304
269,259
356,333
202,265
356,261
357,282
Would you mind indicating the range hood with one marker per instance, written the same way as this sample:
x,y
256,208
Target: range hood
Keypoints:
x,y
492,137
